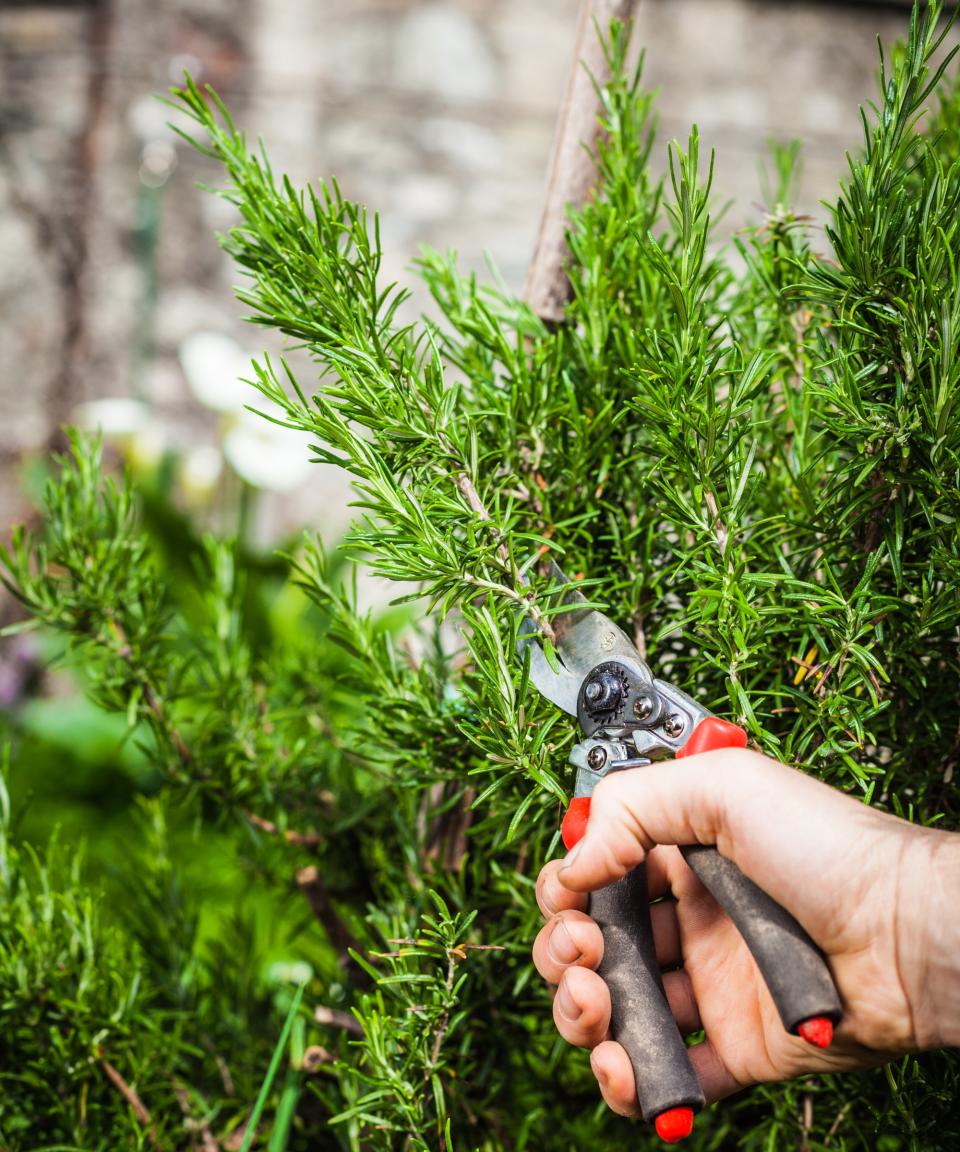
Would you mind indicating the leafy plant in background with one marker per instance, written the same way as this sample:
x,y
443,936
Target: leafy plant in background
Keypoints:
x,y
755,462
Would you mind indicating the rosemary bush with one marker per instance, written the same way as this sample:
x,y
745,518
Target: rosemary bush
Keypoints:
x,y
753,457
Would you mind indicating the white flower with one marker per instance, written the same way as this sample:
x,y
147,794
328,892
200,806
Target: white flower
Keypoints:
x,y
115,416
290,972
148,119
265,454
200,471
213,364
147,447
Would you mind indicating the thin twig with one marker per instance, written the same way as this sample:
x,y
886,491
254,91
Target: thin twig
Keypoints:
x,y
309,839
222,1066
446,838
838,1120
207,1141
520,586
443,1023
235,1141
158,712
130,1095
75,267
807,1122
572,167
639,633
719,528
337,1018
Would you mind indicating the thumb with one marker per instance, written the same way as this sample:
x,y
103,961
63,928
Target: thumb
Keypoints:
x,y
771,820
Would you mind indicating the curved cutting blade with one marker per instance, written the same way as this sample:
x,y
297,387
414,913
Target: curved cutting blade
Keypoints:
x,y
585,638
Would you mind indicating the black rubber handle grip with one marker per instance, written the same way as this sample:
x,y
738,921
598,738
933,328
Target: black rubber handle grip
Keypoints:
x,y
641,1020
791,964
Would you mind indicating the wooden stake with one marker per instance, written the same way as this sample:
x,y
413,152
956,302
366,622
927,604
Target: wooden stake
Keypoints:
x,y
572,170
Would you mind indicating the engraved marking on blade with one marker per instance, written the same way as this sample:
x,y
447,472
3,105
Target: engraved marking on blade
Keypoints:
x,y
608,641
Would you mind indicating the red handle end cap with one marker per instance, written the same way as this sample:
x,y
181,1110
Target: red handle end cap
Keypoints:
x,y
818,1031
674,1125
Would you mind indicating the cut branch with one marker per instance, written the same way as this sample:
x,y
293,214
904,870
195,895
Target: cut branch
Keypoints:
x,y
572,168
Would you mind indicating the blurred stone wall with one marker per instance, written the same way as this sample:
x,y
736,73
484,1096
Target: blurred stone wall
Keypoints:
x,y
439,114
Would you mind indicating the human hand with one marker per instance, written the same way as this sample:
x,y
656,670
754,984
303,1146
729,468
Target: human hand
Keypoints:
x,y
876,893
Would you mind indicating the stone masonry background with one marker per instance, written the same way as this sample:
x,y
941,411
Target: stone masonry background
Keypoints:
x,y
438,114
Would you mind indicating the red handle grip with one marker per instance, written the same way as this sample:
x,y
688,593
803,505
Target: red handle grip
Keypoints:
x,y
711,734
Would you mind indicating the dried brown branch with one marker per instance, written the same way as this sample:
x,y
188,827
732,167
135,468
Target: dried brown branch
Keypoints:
x,y
572,169
807,1122
74,262
130,1095
234,1142
443,830
312,885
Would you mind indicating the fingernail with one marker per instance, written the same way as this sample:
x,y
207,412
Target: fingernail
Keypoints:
x,y
544,896
567,1006
570,857
561,947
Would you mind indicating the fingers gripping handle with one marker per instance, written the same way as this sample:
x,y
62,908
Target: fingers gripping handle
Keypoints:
x,y
709,734
791,964
641,1021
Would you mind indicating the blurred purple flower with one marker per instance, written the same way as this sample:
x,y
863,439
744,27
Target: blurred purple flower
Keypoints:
x,y
19,667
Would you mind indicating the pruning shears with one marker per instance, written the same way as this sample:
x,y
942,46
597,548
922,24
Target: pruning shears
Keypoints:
x,y
630,719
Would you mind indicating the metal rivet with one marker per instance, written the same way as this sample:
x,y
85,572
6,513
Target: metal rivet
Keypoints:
x,y
643,706
593,690
673,725
596,758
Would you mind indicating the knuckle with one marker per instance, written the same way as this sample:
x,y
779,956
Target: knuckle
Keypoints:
x,y
587,936
589,993
621,853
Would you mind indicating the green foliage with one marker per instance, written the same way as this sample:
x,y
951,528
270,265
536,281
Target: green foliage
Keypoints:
x,y
754,461
69,990
111,1028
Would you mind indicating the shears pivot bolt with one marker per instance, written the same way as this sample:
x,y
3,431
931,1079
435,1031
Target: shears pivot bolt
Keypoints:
x,y
604,691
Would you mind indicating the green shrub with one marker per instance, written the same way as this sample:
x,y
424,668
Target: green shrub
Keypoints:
x,y
755,460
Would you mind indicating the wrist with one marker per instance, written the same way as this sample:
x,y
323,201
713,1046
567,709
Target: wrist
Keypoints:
x,y
931,934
